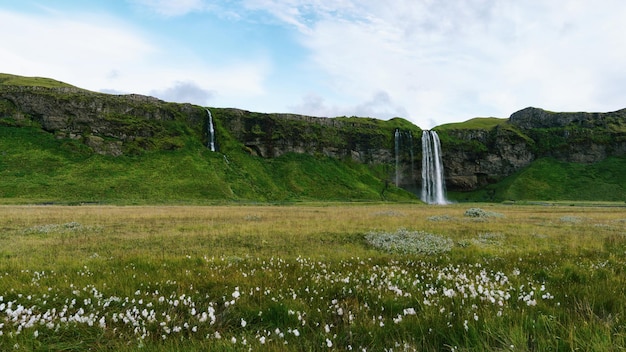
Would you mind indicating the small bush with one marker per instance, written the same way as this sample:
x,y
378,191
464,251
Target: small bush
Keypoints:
x,y
481,214
404,241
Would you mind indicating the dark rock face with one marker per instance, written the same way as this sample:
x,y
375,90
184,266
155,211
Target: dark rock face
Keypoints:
x,y
479,157
272,135
473,158
103,121
538,118
492,156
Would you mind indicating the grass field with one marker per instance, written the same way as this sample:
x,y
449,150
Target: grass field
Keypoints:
x,y
374,277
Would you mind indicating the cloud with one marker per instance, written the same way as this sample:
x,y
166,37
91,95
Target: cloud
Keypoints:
x,y
449,61
103,53
379,105
184,92
76,49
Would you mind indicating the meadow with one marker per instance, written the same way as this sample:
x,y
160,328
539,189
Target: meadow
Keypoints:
x,y
313,277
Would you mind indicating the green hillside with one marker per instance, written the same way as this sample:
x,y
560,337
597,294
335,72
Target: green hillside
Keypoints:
x,y
13,80
59,143
485,123
552,180
37,167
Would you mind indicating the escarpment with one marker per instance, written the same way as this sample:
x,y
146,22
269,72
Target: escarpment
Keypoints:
x,y
475,153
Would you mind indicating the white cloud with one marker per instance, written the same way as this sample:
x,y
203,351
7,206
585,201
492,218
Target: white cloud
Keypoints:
x,y
77,51
184,92
103,53
449,61
379,105
430,61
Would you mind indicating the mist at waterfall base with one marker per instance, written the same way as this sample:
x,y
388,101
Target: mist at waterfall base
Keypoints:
x,y
433,187
433,184
210,132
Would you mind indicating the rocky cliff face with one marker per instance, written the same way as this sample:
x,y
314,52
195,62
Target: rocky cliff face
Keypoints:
x,y
271,135
110,124
476,157
473,157
531,117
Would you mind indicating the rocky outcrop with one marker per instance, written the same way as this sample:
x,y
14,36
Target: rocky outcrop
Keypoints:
x,y
107,123
531,117
271,135
476,157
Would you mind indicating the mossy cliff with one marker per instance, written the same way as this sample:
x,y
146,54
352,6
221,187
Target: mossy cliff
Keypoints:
x,y
62,142
277,156
482,152
127,122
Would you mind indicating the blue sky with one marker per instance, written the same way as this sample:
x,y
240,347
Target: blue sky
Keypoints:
x,y
429,61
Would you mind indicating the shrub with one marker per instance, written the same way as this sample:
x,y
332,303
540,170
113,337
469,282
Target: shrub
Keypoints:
x,y
404,241
479,213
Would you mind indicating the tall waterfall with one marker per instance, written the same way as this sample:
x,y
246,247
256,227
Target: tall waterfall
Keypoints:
x,y
433,187
210,132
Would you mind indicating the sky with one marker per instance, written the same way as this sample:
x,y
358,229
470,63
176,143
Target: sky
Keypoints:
x,y
429,61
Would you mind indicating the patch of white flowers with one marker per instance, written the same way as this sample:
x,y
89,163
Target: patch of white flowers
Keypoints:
x,y
479,213
329,299
409,242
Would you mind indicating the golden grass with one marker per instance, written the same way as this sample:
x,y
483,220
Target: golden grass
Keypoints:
x,y
52,255
310,230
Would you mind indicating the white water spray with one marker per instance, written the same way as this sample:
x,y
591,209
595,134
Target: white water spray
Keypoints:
x,y
433,187
211,132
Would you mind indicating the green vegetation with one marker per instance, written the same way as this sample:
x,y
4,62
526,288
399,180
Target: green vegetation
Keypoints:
x,y
35,166
310,278
478,123
12,80
550,179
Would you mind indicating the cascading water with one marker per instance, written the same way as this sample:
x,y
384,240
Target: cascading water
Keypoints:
x,y
433,187
211,132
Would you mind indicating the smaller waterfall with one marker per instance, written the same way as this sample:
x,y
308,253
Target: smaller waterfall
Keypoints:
x,y
210,132
433,187
397,150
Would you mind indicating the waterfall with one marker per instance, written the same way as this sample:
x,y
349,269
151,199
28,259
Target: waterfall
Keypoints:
x,y
432,170
211,132
397,150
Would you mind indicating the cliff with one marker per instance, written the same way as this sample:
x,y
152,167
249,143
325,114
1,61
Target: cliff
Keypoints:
x,y
125,123
110,124
476,153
